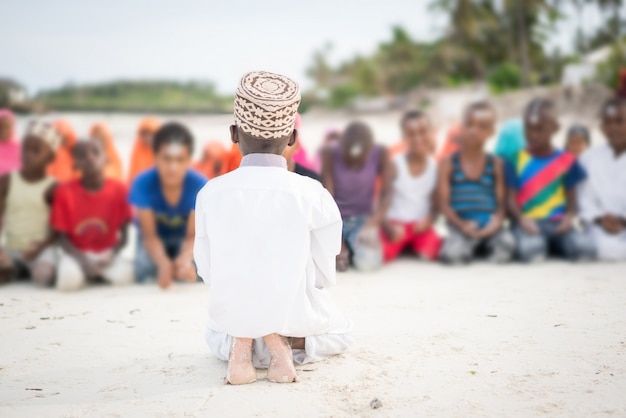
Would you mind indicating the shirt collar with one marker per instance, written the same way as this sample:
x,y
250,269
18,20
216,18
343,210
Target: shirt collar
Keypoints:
x,y
263,160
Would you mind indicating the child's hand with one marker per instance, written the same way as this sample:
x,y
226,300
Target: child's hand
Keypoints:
x,y
566,224
165,275
423,226
395,232
529,226
612,224
470,228
5,261
368,237
492,227
185,269
372,222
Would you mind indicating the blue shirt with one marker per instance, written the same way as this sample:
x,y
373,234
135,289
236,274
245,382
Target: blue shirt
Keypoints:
x,y
146,193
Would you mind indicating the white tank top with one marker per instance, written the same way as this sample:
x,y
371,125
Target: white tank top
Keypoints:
x,y
411,199
26,214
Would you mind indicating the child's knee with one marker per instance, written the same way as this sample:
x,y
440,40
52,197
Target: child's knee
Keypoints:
x,y
367,259
531,248
120,273
454,251
70,275
580,247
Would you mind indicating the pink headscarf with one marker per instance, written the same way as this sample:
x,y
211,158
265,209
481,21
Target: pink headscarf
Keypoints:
x,y
300,157
10,150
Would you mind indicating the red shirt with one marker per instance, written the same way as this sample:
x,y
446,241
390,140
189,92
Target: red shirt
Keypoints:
x,y
91,220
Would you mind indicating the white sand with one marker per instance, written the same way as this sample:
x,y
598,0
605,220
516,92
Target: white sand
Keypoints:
x,y
548,340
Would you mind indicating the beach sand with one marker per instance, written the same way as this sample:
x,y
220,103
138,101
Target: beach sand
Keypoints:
x,y
482,340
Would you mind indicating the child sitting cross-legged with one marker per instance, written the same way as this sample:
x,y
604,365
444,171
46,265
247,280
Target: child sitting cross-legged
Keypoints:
x,y
90,216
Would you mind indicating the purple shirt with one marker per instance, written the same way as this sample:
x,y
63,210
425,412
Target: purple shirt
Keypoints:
x,y
354,189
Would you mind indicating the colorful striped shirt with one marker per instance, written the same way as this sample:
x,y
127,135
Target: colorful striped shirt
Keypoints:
x,y
473,199
541,182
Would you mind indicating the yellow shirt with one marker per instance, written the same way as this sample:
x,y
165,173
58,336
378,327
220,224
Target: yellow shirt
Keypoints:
x,y
26,213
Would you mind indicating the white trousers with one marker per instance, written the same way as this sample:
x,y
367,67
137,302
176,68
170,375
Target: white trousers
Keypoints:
x,y
316,348
609,247
70,275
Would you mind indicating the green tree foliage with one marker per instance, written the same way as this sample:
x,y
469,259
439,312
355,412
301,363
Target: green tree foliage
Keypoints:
x,y
497,41
155,96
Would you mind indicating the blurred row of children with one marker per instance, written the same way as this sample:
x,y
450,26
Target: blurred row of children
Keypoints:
x,y
65,205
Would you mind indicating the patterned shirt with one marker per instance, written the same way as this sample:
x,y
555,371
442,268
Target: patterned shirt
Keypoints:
x,y
541,182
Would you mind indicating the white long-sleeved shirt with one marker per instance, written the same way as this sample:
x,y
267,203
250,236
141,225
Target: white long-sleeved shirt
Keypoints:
x,y
266,241
604,190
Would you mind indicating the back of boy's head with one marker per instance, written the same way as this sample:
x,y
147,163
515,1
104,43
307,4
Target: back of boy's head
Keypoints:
x,y
173,133
537,109
266,105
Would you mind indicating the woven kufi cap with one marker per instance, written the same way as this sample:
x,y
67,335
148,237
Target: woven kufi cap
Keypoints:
x,y
45,131
266,105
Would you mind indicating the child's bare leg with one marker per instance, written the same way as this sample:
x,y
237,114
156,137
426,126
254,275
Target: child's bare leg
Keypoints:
x,y
6,267
281,368
297,343
240,369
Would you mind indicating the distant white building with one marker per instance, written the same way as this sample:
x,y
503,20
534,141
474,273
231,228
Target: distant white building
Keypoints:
x,y
12,93
576,74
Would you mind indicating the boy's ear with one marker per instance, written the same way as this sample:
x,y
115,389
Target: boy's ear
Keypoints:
x,y
293,138
234,134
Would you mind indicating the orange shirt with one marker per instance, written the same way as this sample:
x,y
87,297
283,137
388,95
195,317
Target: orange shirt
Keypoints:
x,y
62,167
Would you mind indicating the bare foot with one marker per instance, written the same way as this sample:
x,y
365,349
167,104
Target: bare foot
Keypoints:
x,y
240,369
343,261
281,368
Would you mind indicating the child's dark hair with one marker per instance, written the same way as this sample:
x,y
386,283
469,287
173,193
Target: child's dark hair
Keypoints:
x,y
410,115
172,133
85,140
616,102
538,107
579,130
480,105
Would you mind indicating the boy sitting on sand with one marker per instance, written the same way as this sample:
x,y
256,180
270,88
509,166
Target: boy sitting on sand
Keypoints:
x,y
542,191
266,241
350,172
602,197
472,193
25,198
413,210
164,197
91,216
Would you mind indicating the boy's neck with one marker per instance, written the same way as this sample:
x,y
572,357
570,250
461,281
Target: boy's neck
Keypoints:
x,y
416,157
33,175
541,152
618,150
472,152
93,182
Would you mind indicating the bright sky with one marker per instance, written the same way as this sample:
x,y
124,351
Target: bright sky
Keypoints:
x,y
48,43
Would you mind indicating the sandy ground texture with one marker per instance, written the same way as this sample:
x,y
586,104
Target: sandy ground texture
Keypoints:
x,y
510,341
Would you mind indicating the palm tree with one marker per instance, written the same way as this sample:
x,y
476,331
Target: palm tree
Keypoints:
x,y
470,20
613,7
